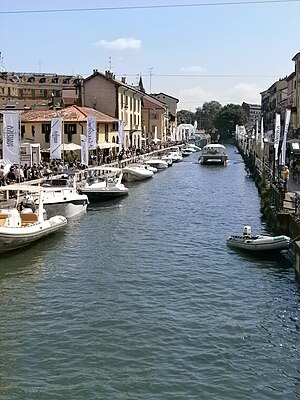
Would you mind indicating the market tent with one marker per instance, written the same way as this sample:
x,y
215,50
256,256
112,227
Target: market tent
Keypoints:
x,y
70,147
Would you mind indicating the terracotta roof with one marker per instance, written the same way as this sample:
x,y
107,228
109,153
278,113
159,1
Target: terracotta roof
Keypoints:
x,y
152,103
69,114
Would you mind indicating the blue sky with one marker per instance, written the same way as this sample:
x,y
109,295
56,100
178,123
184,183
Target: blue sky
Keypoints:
x,y
193,50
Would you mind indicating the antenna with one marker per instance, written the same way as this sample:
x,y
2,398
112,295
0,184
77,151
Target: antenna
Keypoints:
x,y
109,60
2,69
40,65
150,76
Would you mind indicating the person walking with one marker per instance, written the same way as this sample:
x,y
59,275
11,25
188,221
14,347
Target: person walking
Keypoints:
x,y
286,176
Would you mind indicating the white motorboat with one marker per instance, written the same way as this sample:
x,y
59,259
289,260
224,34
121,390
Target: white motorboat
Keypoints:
x,y
20,226
258,243
61,196
175,154
136,172
213,153
156,163
187,151
102,183
168,159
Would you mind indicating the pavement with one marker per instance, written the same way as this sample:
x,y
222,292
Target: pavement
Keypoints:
x,y
289,200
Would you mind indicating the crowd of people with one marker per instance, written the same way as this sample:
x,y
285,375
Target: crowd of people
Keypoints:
x,y
27,172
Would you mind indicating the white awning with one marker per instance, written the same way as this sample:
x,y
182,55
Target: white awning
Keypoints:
x,y
107,145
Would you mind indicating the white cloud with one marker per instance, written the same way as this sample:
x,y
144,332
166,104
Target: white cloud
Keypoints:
x,y
120,44
247,92
195,69
194,98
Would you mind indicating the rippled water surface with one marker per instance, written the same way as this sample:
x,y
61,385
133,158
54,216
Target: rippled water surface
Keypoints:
x,y
141,299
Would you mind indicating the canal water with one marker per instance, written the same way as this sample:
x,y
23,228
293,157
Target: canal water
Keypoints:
x,y
142,299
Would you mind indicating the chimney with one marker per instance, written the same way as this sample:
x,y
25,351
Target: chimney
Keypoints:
x,y
123,79
95,71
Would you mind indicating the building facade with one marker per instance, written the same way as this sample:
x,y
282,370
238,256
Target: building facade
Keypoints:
x,y
154,114
171,102
117,99
36,91
36,125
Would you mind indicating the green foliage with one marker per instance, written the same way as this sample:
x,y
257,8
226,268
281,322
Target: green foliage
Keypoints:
x,y
215,119
230,116
185,117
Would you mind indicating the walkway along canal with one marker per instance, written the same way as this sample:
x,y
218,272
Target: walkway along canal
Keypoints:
x,y
281,210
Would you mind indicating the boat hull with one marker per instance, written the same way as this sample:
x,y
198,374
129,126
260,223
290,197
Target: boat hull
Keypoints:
x,y
259,243
136,174
96,196
15,238
68,209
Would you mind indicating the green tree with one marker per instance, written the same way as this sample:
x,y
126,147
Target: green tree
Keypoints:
x,y
208,115
185,117
228,117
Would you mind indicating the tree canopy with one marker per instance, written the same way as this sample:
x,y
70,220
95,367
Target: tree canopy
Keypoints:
x,y
214,118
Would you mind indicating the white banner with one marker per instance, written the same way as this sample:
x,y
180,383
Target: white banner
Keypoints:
x,y
84,150
121,133
155,134
286,128
256,132
262,143
11,137
277,135
55,138
91,133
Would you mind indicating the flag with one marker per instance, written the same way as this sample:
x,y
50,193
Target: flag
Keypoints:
x,y
277,135
91,133
121,132
84,150
55,138
155,134
256,132
262,143
286,128
11,137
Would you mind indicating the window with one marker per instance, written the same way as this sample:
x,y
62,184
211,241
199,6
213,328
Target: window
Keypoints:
x,y
33,130
46,129
22,131
106,128
70,129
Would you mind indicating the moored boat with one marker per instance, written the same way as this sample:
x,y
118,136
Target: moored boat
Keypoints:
x,y
20,226
102,184
136,172
258,243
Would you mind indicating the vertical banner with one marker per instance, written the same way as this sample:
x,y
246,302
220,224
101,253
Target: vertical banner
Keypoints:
x,y
277,135
155,134
84,150
91,133
256,132
286,128
55,138
262,143
121,133
11,137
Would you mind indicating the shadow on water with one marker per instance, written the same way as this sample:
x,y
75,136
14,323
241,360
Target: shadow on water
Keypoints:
x,y
281,259
28,256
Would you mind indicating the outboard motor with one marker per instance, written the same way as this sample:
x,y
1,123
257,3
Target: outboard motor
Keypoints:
x,y
247,231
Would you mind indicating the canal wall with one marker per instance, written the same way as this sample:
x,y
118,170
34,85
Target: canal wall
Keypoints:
x,y
277,208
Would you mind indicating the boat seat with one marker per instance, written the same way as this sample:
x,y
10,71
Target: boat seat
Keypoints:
x,y
3,219
28,218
